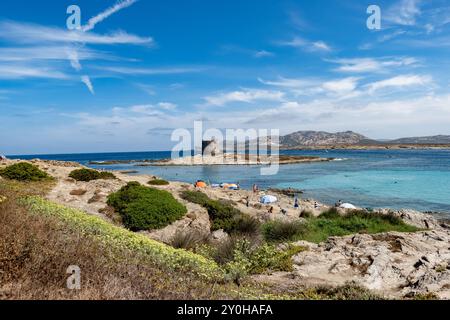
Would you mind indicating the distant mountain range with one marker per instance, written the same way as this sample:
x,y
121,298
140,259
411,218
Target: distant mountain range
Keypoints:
x,y
321,138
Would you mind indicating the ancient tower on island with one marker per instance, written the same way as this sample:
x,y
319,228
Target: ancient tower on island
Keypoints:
x,y
210,148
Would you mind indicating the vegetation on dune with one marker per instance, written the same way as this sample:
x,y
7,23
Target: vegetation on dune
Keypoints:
x,y
348,291
223,215
331,223
240,257
158,182
280,231
87,175
159,254
188,240
144,208
24,171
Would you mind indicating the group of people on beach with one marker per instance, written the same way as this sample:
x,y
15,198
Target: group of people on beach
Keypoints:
x,y
255,190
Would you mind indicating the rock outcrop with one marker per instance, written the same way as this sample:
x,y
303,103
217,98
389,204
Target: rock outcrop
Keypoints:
x,y
393,264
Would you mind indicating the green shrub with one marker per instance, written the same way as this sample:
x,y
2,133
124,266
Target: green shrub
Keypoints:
x,y
306,214
222,214
247,225
87,175
24,171
331,223
144,208
275,231
241,256
196,197
424,296
187,240
158,182
348,291
248,258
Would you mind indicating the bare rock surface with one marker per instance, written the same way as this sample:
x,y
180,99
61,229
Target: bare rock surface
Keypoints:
x,y
393,264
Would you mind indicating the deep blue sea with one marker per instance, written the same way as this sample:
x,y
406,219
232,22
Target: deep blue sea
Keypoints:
x,y
416,179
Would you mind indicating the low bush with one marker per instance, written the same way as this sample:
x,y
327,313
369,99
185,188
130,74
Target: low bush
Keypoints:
x,y
187,240
280,231
196,197
240,256
158,182
348,291
87,175
222,214
24,171
144,208
331,223
306,214
247,225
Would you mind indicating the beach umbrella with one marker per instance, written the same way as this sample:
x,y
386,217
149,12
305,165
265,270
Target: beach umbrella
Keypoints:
x,y
347,206
268,199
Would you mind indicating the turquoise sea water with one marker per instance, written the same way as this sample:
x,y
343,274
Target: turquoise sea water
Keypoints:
x,y
416,179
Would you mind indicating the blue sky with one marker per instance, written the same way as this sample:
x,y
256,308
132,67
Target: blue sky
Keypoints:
x,y
139,69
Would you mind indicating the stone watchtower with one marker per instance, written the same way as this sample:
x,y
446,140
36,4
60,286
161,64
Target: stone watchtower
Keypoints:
x,y
210,148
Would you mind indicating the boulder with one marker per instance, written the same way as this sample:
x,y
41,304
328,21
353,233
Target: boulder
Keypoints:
x,y
218,236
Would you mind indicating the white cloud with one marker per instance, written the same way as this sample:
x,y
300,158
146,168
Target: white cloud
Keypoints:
x,y
404,12
150,71
307,45
263,53
87,81
360,65
74,60
50,53
226,49
25,71
289,82
247,96
108,12
149,109
34,33
342,85
167,106
400,81
320,45
338,88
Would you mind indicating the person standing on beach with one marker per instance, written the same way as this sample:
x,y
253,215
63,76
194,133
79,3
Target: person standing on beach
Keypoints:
x,y
296,205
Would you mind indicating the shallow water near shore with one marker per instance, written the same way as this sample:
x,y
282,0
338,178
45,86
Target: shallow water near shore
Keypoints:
x,y
415,179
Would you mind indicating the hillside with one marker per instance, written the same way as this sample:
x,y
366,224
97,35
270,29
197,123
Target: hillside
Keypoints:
x,y
321,138
439,139
350,138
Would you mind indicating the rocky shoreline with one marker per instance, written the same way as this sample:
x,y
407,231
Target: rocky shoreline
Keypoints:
x,y
237,159
222,159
